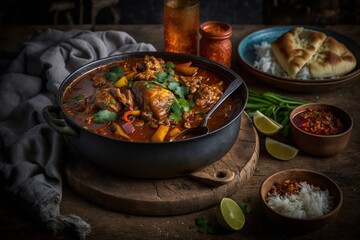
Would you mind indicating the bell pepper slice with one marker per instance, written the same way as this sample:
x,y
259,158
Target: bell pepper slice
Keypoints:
x,y
122,82
185,69
185,64
130,76
173,132
160,134
129,113
118,131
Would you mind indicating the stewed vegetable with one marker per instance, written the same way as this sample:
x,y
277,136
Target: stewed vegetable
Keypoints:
x,y
146,99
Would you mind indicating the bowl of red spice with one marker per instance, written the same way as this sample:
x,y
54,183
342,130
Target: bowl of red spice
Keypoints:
x,y
320,129
300,200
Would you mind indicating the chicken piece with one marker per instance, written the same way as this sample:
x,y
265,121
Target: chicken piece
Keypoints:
x,y
105,100
128,98
155,101
207,95
148,67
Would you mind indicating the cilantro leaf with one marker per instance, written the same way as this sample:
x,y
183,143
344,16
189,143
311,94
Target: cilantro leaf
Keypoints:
x,y
204,226
176,107
112,77
173,86
104,116
161,76
175,117
114,73
117,70
154,83
184,104
181,91
170,64
170,71
245,205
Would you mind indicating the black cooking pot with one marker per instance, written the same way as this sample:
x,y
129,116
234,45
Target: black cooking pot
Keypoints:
x,y
147,159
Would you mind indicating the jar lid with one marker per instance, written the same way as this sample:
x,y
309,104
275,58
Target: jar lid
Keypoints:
x,y
215,30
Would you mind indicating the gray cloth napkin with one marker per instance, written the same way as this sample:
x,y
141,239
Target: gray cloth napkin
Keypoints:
x,y
30,151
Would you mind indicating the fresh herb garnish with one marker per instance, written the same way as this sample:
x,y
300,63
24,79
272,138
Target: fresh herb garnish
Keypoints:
x,y
175,117
204,226
168,65
114,73
79,97
118,70
181,91
165,79
245,205
161,76
104,116
155,82
180,106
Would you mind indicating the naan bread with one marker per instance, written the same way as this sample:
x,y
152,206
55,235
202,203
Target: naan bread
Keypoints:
x,y
323,55
332,59
296,47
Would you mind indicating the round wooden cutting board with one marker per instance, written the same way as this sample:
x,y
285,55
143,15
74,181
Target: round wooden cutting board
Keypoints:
x,y
164,197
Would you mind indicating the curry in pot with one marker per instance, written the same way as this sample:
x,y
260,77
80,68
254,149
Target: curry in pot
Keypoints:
x,y
146,99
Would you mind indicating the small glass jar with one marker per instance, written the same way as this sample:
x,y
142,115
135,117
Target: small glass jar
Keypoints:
x,y
215,43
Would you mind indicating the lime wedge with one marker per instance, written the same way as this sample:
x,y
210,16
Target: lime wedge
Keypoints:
x,y
280,150
265,124
230,215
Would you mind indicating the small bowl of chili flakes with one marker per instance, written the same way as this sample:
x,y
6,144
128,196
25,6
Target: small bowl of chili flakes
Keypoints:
x,y
320,129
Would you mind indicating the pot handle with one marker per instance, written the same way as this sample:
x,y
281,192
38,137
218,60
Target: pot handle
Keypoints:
x,y
217,178
52,117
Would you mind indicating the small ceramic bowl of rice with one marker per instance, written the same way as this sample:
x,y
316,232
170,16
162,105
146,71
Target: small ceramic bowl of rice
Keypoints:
x,y
300,200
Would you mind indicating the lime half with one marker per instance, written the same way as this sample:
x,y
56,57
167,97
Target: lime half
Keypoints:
x,y
230,215
265,124
280,150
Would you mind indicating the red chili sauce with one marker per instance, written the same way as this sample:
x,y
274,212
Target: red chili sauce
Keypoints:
x,y
320,122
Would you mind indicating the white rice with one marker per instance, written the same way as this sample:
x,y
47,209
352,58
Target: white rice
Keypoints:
x,y
266,62
310,202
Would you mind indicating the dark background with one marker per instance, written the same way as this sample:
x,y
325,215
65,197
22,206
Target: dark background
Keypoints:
x,y
151,12
131,11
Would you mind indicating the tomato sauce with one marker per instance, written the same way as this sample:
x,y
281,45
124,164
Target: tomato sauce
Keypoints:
x,y
81,102
320,122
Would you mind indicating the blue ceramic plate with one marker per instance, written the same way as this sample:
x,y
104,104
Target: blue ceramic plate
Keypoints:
x,y
246,54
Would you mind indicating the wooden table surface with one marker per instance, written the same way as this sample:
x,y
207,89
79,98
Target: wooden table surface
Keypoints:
x,y
343,168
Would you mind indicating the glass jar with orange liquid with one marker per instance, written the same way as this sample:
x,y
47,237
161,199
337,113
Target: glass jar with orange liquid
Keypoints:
x,y
181,24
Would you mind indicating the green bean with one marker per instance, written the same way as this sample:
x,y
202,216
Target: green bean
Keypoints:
x,y
255,105
274,106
